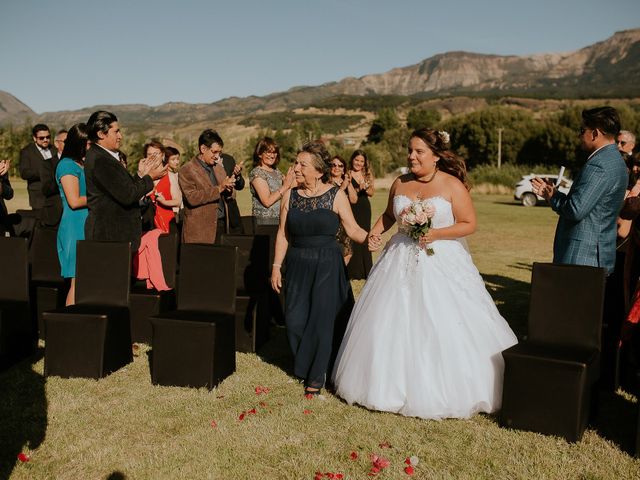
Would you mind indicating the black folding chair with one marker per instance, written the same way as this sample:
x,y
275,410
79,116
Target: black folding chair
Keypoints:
x,y
145,303
49,290
18,329
548,378
194,346
93,337
252,301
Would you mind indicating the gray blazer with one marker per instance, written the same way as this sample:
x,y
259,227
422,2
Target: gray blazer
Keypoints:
x,y
586,231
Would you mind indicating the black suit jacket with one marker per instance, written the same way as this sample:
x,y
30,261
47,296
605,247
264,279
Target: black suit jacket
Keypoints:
x,y
112,197
52,208
30,165
229,163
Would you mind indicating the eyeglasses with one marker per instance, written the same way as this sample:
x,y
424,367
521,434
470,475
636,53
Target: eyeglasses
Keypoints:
x,y
47,137
337,165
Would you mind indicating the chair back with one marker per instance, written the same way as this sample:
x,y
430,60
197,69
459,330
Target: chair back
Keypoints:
x,y
566,305
43,254
14,261
103,273
248,224
252,269
272,232
168,246
207,278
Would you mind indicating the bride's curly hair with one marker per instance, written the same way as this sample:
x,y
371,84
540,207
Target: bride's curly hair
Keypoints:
x,y
438,143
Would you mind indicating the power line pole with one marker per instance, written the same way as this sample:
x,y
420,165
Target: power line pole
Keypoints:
x,y
500,129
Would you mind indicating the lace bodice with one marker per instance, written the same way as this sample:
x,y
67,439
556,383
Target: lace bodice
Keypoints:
x,y
307,204
442,218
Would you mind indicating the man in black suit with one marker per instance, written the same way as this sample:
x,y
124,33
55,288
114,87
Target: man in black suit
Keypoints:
x,y
112,193
52,209
32,158
231,168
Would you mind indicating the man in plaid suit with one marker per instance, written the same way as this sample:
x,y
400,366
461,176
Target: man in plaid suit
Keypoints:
x,y
586,231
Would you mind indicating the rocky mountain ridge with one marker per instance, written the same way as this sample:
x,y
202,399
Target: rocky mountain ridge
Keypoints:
x,y
604,69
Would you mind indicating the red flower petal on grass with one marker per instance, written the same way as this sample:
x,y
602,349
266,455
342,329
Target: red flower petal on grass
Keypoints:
x,y
23,457
339,476
318,476
214,424
409,470
385,444
253,411
308,396
307,411
260,390
353,455
241,417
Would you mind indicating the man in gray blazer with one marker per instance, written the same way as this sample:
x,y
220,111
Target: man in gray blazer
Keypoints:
x,y
586,231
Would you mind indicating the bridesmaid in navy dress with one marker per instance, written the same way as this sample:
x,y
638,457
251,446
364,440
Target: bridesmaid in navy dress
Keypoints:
x,y
317,289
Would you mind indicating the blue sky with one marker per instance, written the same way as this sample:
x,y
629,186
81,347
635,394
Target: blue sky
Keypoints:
x,y
68,54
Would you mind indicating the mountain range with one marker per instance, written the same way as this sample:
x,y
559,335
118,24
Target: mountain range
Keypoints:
x,y
610,68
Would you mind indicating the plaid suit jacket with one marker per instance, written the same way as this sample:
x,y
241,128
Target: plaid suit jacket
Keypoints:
x,y
586,231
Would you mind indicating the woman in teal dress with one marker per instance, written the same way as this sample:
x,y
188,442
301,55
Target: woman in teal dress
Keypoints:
x,y
73,191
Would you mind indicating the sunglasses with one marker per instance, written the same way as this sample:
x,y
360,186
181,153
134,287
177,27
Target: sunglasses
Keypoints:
x,y
337,165
48,137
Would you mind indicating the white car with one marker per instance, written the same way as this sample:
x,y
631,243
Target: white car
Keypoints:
x,y
524,191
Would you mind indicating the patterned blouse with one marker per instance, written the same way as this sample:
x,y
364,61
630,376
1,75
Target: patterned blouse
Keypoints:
x,y
262,214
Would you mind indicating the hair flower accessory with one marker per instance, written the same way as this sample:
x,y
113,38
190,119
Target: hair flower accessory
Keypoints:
x,y
444,136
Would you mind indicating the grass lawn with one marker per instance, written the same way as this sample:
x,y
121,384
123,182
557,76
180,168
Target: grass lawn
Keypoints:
x,y
124,427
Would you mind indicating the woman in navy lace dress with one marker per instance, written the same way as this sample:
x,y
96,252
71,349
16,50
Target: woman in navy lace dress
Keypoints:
x,y
316,287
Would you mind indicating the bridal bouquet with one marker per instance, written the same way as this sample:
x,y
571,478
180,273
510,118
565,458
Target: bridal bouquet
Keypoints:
x,y
416,220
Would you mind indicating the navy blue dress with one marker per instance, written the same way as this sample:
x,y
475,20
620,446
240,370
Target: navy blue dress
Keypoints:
x,y
317,291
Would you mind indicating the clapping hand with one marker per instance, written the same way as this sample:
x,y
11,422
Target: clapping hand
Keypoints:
x,y
542,188
635,190
374,242
238,168
4,167
228,184
153,167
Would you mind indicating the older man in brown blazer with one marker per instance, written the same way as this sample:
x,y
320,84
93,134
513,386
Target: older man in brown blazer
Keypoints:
x,y
205,187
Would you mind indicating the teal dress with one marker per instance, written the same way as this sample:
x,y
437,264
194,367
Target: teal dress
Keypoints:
x,y
71,227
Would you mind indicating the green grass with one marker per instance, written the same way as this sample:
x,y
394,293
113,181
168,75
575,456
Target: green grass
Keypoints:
x,y
124,427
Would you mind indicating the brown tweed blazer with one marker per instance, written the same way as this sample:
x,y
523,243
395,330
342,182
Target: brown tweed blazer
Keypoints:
x,y
201,201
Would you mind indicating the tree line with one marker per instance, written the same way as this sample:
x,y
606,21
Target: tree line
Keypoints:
x,y
528,138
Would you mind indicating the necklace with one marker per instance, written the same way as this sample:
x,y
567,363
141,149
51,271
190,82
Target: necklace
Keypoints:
x,y
429,179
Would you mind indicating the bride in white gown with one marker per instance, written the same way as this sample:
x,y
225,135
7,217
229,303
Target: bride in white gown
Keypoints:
x,y
425,337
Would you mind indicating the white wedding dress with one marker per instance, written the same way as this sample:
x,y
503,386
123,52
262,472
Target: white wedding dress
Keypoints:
x,y
425,337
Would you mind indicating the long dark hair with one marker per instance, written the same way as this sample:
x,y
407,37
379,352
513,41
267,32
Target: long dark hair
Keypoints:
x,y
438,143
368,175
75,146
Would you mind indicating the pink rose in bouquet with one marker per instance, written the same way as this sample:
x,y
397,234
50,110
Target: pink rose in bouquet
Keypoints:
x,y
416,220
